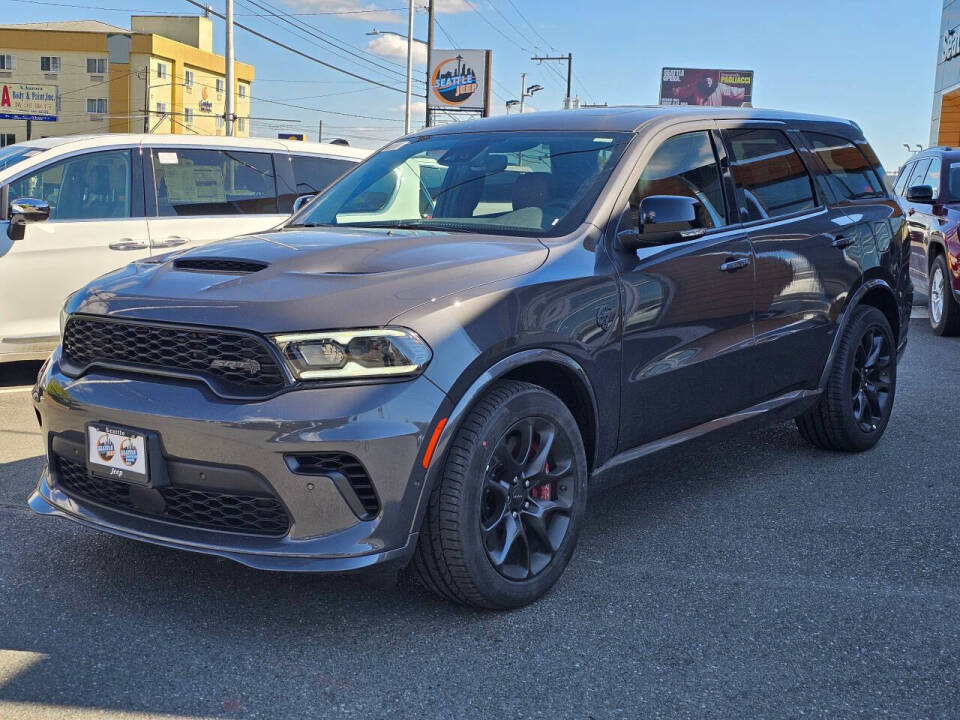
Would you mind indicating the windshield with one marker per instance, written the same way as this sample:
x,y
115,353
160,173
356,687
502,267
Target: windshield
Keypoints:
x,y
523,183
12,154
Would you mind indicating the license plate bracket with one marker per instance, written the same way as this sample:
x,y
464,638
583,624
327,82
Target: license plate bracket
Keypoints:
x,y
122,453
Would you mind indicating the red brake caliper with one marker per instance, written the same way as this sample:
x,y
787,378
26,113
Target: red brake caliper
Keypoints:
x,y
545,491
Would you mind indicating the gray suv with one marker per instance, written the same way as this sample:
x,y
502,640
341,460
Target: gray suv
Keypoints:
x,y
430,364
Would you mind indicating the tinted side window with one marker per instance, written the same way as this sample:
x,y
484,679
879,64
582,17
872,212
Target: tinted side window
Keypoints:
x,y
770,177
214,182
919,170
901,187
684,165
87,187
850,174
313,173
932,177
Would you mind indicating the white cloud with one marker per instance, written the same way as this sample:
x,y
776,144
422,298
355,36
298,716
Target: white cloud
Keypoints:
x,y
395,48
348,10
451,7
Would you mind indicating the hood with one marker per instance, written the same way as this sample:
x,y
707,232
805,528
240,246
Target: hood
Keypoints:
x,y
308,279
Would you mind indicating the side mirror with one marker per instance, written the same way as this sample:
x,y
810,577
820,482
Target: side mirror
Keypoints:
x,y
921,194
23,211
301,201
664,219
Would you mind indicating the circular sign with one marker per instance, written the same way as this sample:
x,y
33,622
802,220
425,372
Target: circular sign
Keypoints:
x,y
105,448
453,82
128,452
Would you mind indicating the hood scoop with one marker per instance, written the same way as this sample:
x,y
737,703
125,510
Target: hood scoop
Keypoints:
x,y
218,265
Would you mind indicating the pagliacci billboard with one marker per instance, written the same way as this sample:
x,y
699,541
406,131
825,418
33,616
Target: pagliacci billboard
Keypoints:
x,y
458,80
21,101
698,86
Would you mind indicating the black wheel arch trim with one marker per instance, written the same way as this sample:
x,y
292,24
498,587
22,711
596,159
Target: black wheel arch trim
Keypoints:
x,y
855,301
470,396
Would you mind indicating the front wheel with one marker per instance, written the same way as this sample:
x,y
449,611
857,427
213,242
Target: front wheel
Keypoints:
x,y
855,408
943,306
504,518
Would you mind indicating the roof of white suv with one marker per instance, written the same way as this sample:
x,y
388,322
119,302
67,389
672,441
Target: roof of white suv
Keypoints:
x,y
79,142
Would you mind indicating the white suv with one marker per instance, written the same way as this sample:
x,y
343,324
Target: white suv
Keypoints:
x,y
74,208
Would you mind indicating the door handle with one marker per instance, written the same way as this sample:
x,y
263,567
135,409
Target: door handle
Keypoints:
x,y
128,244
167,242
734,265
843,241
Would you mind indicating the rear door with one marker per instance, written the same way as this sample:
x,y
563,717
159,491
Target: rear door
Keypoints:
x,y
198,195
96,225
805,250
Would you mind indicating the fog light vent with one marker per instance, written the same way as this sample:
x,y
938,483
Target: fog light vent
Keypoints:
x,y
348,475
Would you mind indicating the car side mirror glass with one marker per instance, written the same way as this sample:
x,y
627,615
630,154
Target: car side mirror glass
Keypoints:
x,y
664,219
922,194
299,203
23,211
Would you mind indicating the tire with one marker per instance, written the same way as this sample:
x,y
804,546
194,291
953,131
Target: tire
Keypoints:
x,y
852,413
455,557
943,306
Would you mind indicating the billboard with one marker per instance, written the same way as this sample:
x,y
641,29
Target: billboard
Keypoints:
x,y
458,80
696,86
20,101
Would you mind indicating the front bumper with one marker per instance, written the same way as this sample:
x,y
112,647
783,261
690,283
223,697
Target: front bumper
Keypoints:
x,y
382,426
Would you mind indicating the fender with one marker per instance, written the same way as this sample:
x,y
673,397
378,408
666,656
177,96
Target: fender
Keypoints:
x,y
469,397
852,303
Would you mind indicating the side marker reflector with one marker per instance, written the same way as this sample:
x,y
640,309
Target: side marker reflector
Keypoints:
x,y
432,445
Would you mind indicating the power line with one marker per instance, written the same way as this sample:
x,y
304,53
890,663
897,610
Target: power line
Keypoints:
x,y
488,22
299,52
524,18
154,11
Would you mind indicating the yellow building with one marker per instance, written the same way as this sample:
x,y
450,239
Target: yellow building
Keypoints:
x,y
161,76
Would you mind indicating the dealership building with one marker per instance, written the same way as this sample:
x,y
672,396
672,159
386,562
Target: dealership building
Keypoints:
x,y
159,76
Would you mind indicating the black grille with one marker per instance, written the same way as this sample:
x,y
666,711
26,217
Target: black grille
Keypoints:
x,y
219,265
348,466
248,514
234,364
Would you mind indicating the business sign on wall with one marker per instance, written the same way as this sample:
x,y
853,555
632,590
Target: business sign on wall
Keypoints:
x,y
951,45
19,101
696,86
458,80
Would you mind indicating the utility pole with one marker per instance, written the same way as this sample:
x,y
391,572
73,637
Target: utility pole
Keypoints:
x,y
320,131
569,58
228,112
146,99
429,55
406,120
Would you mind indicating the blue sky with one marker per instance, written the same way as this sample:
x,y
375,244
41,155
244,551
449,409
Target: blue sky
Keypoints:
x,y
871,61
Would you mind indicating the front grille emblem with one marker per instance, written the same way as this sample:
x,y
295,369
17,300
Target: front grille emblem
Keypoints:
x,y
250,365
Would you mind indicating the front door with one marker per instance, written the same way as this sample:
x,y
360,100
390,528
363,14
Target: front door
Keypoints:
x,y
96,225
687,307
198,195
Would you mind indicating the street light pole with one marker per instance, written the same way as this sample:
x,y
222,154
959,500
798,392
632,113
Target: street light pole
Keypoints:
x,y
430,11
228,110
523,90
406,122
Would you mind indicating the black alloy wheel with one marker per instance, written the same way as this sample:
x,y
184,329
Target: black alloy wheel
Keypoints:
x,y
504,516
527,498
870,380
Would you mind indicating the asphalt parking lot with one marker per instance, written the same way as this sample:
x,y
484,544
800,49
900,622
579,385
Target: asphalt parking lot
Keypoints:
x,y
743,577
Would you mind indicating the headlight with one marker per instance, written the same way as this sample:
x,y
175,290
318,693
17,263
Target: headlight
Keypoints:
x,y
354,354
63,320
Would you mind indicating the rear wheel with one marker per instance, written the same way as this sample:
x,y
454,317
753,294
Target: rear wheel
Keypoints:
x,y
855,408
504,518
943,306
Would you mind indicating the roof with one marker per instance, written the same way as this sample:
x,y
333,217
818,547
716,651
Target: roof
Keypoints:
x,y
76,142
91,26
619,119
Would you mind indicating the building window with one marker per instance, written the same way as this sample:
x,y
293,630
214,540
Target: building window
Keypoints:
x,y
97,106
242,90
161,71
7,139
161,108
188,116
242,124
49,64
188,78
221,84
220,122
96,66
7,62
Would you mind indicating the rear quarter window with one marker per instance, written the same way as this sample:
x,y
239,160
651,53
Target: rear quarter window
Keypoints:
x,y
850,174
